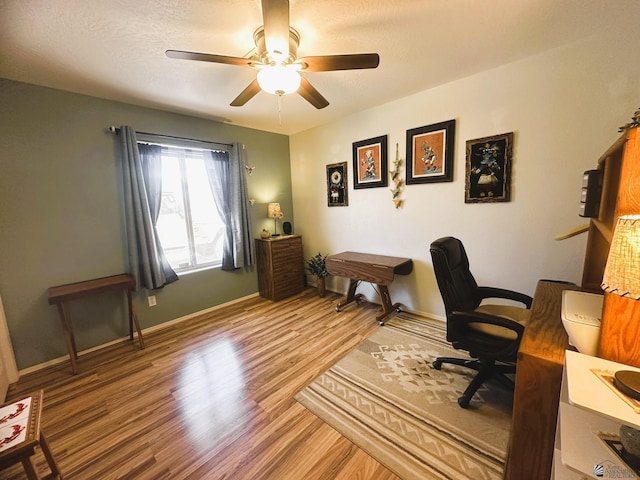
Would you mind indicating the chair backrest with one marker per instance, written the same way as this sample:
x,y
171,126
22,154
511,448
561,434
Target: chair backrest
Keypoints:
x,y
457,286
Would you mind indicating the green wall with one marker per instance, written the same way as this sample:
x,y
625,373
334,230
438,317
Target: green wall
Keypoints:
x,y
61,215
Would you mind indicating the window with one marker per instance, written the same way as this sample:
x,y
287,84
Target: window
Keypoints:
x,y
189,226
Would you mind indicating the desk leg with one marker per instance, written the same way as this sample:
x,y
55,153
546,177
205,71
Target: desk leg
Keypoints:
x,y
351,295
133,319
387,307
67,327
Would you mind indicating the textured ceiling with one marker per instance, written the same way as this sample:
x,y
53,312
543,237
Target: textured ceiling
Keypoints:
x,y
114,49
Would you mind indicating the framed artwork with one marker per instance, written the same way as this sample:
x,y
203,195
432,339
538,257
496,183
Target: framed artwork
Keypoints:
x,y
488,169
337,193
370,163
430,153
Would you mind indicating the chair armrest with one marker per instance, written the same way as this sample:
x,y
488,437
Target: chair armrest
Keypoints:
x,y
492,292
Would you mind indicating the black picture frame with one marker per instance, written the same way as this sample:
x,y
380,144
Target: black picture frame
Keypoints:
x,y
370,163
430,151
488,169
337,191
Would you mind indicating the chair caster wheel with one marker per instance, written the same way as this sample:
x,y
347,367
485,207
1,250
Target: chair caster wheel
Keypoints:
x,y
463,402
437,364
381,324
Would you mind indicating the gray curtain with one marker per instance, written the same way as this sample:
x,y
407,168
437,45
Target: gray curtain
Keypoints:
x,y
226,174
142,197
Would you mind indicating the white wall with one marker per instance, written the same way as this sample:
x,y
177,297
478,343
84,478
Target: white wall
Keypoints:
x,y
564,106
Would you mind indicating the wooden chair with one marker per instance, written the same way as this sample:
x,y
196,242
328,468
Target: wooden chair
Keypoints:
x,y
21,434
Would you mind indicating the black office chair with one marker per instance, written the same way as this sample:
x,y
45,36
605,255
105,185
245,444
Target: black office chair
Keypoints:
x,y
490,333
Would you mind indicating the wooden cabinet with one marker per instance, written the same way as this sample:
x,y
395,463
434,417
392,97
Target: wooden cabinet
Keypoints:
x,y
280,266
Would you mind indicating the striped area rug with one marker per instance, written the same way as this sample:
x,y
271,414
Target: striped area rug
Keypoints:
x,y
386,398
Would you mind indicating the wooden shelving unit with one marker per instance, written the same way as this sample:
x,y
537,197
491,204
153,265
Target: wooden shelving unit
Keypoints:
x,y
620,195
601,228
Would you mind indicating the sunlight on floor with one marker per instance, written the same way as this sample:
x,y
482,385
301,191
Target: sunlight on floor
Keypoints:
x,y
211,392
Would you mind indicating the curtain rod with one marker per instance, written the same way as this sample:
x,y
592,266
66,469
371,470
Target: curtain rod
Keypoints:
x,y
116,130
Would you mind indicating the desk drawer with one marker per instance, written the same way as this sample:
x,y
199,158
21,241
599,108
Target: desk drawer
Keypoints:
x,y
379,274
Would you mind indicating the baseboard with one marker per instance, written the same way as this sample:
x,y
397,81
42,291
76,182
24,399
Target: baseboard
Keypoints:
x,y
168,323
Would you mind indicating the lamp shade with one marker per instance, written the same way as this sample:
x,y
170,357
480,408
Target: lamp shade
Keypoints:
x,y
622,273
273,211
279,80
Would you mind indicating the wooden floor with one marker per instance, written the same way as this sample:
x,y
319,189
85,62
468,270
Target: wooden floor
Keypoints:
x,y
208,398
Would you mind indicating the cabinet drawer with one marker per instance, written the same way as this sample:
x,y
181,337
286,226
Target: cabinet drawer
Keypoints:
x,y
292,265
289,278
284,249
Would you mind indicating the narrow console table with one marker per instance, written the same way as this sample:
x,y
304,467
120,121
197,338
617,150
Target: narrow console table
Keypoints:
x,y
365,267
61,295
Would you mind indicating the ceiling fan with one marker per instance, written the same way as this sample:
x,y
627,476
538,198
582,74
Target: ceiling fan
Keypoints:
x,y
276,59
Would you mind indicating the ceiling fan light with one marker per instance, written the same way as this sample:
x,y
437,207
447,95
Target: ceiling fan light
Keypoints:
x,y
279,80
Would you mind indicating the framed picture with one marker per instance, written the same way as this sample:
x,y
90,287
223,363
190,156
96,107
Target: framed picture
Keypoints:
x,y
488,169
337,193
370,163
430,153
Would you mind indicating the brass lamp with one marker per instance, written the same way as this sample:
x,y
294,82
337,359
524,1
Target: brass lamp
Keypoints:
x,y
622,277
273,211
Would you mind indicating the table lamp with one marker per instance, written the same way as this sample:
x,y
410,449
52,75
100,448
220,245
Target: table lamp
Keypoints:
x,y
622,277
273,211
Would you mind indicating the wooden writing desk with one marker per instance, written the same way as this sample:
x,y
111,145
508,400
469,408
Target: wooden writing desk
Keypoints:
x,y
62,294
537,391
378,269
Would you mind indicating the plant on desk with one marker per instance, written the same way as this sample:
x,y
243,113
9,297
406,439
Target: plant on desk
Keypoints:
x,y
317,267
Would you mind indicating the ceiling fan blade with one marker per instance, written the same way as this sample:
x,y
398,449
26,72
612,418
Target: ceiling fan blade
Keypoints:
x,y
328,63
247,94
311,95
275,15
206,57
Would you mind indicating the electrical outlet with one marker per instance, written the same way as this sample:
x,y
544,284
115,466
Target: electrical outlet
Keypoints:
x,y
152,300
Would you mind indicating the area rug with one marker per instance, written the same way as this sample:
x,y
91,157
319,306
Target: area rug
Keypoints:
x,y
387,399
